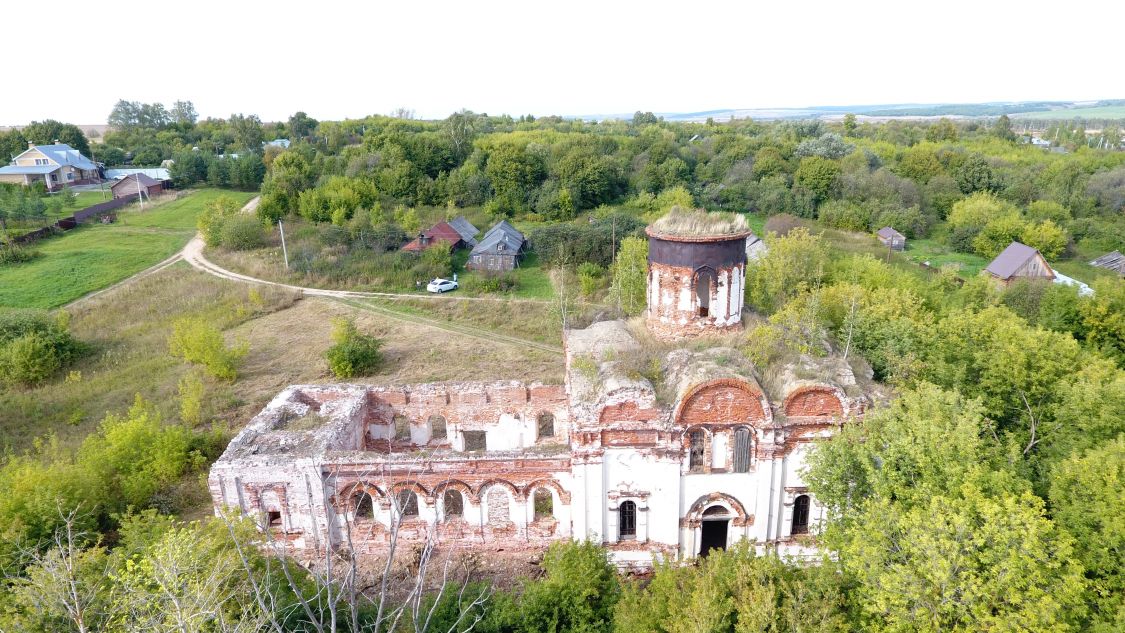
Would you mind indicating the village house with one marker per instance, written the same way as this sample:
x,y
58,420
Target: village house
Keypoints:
x,y
55,165
135,184
454,234
1114,261
705,453
891,238
1019,261
499,250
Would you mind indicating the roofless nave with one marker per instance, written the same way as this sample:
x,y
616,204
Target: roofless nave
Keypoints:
x,y
706,454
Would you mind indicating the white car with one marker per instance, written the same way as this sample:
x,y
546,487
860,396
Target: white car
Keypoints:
x,y
441,285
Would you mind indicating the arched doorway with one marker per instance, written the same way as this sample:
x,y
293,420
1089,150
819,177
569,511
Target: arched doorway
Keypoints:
x,y
713,530
704,286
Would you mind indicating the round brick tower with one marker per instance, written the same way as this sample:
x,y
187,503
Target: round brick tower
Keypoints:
x,y
695,280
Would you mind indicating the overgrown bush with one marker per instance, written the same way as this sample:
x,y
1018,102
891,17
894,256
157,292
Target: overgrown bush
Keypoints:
x,y
34,346
841,214
492,282
572,244
590,278
11,254
352,353
243,232
214,215
198,342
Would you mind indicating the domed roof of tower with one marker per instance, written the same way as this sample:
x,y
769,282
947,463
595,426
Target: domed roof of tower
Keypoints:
x,y
681,222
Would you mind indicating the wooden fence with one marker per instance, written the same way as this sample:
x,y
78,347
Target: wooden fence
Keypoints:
x,y
95,212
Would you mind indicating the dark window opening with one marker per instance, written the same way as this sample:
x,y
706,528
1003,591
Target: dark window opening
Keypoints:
x,y
544,504
474,440
364,506
801,515
695,456
273,519
407,503
546,425
742,450
437,427
713,535
402,428
704,285
454,503
627,521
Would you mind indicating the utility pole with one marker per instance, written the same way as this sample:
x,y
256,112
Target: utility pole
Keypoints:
x,y
140,194
284,252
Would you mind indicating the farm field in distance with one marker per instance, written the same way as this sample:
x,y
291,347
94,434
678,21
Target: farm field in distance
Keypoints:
x,y
95,256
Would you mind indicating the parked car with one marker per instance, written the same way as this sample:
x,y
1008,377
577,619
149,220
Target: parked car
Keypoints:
x,y
441,285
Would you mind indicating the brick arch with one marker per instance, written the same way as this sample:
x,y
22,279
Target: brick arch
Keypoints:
x,y
813,401
456,484
345,497
483,488
694,514
564,496
414,486
721,400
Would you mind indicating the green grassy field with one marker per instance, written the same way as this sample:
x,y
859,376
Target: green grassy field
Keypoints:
x,y
95,256
1102,112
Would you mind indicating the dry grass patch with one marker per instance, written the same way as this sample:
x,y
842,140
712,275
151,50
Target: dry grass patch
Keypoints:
x,y
699,223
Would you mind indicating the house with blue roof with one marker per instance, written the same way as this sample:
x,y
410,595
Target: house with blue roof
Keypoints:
x,y
56,165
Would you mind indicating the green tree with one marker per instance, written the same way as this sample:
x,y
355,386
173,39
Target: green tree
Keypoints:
x,y
47,132
791,265
630,275
850,125
1086,501
1047,237
1103,317
578,592
1002,128
214,215
817,175
198,342
998,234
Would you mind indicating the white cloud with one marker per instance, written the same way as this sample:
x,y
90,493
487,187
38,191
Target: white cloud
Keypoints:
x,y
336,59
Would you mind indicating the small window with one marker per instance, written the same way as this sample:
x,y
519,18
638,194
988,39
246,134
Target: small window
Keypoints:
x,y
544,504
70,175
273,519
402,428
364,506
407,503
437,427
546,425
627,521
801,515
742,450
695,456
454,503
474,440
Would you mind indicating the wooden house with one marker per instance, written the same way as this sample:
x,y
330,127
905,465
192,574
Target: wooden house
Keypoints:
x,y
499,250
891,238
57,165
1019,261
137,183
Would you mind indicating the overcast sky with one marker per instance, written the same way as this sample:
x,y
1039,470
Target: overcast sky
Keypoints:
x,y
337,59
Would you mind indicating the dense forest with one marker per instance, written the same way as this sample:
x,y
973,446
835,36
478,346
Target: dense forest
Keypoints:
x,y
985,494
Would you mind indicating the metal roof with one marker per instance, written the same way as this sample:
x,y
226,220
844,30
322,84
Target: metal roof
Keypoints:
x,y
29,169
63,154
159,173
502,237
1011,259
134,178
1111,261
887,231
466,229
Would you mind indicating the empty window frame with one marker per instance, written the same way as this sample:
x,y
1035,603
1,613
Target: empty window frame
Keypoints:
x,y
364,506
742,446
543,503
696,443
546,424
627,521
402,428
407,503
704,286
474,440
437,427
453,503
800,515
272,520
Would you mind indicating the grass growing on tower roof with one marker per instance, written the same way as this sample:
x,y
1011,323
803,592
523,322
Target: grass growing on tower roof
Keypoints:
x,y
699,223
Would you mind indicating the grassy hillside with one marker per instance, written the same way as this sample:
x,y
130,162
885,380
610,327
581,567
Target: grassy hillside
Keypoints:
x,y
95,256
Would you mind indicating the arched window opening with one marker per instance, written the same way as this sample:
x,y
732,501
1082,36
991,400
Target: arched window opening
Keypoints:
x,y
627,521
364,506
407,503
696,441
454,503
544,504
402,427
546,423
437,427
704,286
801,515
742,446
715,511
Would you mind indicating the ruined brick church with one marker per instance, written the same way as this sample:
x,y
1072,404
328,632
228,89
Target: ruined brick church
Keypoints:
x,y
654,464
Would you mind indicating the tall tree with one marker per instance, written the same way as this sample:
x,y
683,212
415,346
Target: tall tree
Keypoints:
x,y
47,132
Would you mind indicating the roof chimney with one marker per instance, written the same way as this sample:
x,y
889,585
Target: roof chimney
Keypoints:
x,y
30,144
56,141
